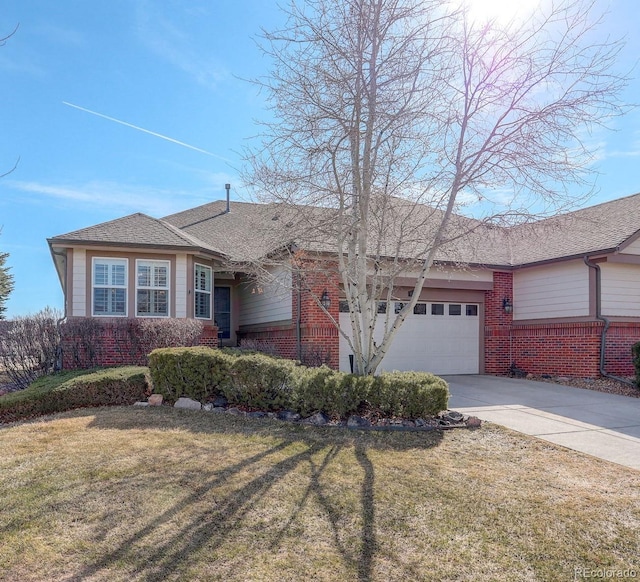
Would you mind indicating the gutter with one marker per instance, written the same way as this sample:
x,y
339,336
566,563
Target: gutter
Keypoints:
x,y
299,321
63,255
605,321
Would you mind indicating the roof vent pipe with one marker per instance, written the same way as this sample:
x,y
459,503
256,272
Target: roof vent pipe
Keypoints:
x,y
227,187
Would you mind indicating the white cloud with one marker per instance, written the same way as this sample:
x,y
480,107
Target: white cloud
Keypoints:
x,y
124,198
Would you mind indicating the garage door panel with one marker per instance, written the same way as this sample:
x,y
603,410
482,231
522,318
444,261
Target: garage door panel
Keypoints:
x,y
442,344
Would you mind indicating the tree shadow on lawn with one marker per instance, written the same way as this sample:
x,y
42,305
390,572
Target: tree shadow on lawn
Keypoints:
x,y
214,524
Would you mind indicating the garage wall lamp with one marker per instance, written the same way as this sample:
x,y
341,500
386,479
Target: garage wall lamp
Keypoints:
x,y
325,300
507,305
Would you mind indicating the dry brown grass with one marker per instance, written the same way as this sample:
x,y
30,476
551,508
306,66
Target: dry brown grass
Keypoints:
x,y
159,494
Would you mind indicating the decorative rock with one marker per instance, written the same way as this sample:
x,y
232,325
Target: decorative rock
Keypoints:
x,y
272,415
474,422
141,404
408,423
357,422
187,404
420,422
288,415
218,409
562,379
235,411
452,416
208,407
220,401
318,419
155,400
257,414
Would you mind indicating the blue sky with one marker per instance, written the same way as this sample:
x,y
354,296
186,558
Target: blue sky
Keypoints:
x,y
175,68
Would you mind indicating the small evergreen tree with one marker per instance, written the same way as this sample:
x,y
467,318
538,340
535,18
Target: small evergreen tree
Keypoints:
x,y
6,283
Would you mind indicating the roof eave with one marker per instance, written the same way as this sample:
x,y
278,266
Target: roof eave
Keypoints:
x,y
590,253
128,245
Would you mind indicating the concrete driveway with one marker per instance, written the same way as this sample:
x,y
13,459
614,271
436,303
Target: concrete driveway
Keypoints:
x,y
599,424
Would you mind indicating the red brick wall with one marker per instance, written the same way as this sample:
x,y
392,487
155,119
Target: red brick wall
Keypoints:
x,y
107,348
497,325
318,335
560,349
620,337
282,340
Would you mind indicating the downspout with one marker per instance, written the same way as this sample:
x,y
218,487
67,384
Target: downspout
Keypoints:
x,y
299,321
63,255
605,321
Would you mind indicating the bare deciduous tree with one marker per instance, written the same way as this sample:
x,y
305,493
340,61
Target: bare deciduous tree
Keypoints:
x,y
388,115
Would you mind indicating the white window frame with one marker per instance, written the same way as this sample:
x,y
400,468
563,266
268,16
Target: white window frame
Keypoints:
x,y
153,287
196,291
109,261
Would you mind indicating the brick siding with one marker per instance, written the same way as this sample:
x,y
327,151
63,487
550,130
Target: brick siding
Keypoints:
x,y
558,349
108,348
567,349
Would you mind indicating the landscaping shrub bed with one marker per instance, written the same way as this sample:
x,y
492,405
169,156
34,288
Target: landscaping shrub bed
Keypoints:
x,y
76,389
200,373
258,381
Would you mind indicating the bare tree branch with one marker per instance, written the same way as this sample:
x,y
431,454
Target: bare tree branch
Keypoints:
x,y
387,112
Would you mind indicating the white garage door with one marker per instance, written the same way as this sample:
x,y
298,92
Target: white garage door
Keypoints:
x,y
443,338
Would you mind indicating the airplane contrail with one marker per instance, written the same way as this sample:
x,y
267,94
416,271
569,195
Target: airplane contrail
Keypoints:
x,y
186,145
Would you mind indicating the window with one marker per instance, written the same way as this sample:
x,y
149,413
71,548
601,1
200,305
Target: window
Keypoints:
x,y
398,307
437,309
455,309
343,306
382,306
420,309
222,311
472,310
152,288
110,287
202,292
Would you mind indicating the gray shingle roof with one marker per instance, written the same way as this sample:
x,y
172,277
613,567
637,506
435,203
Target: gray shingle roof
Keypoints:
x,y
133,231
600,228
246,233
251,231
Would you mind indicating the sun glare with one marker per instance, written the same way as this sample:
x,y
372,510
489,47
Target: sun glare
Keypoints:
x,y
501,10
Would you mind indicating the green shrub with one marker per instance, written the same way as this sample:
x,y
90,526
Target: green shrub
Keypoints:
x,y
76,389
200,373
351,392
262,382
314,390
334,393
410,394
635,352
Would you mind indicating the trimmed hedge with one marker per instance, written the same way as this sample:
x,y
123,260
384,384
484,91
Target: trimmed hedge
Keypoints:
x,y
262,382
635,352
334,393
75,389
410,394
199,373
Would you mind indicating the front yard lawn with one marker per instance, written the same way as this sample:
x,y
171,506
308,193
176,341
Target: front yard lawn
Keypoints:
x,y
129,493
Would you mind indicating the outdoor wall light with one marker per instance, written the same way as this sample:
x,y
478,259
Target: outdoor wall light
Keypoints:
x,y
325,300
507,305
